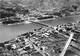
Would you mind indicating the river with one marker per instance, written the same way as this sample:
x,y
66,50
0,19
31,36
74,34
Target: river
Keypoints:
x,y
8,32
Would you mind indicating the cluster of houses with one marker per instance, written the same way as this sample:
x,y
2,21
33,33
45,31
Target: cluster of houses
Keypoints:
x,y
48,41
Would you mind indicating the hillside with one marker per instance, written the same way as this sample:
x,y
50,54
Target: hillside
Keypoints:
x,y
45,4
38,9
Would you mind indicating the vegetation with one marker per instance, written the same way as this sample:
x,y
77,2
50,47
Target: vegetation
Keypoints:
x,y
59,8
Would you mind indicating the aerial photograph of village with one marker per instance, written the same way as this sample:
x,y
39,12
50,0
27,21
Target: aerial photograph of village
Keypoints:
x,y
39,27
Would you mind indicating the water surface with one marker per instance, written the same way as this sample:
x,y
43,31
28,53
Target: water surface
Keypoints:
x,y
11,31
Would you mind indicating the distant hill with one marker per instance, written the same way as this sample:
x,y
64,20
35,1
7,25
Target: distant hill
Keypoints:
x,y
45,4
